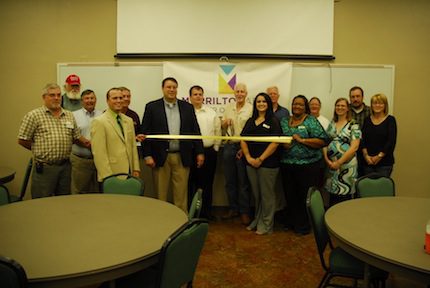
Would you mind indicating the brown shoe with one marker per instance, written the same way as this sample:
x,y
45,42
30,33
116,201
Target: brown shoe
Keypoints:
x,y
230,214
246,220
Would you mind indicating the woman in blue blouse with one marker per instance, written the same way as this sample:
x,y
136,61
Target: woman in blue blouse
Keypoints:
x,y
300,161
379,137
262,162
339,155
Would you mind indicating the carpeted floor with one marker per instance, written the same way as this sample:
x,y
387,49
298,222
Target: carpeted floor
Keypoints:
x,y
234,257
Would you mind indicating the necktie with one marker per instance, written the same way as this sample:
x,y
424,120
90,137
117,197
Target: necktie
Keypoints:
x,y
118,119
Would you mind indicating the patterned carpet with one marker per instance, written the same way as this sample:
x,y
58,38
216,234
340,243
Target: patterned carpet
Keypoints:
x,y
234,257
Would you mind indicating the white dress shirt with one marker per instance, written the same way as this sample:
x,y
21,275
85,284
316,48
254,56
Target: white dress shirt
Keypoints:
x,y
210,125
83,120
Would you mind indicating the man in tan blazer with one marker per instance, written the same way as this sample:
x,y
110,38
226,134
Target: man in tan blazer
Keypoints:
x,y
113,140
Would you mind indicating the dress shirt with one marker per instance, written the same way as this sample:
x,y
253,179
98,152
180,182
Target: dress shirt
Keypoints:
x,y
239,117
83,120
173,122
210,125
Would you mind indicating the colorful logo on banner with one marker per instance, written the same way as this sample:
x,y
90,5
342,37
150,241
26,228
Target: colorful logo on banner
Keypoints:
x,y
226,79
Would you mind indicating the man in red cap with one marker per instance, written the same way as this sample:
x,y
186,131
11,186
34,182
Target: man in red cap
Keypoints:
x,y
71,99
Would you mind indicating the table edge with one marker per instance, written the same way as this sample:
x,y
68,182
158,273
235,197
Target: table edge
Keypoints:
x,y
379,261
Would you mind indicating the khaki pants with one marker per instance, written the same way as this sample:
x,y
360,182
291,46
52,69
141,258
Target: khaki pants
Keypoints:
x,y
175,174
84,175
52,180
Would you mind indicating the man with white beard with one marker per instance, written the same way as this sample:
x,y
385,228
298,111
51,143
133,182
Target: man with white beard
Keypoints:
x,y
71,99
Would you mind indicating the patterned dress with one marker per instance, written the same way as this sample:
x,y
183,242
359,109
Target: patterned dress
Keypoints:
x,y
341,181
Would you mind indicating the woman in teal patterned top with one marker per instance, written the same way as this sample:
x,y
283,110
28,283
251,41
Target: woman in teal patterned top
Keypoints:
x,y
300,161
339,155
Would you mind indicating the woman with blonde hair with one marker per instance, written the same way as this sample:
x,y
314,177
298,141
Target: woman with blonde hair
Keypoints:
x,y
379,137
339,155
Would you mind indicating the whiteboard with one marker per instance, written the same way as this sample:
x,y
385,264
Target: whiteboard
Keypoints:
x,y
326,81
330,82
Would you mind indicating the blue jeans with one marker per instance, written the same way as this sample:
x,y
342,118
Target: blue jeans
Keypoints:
x,y
236,180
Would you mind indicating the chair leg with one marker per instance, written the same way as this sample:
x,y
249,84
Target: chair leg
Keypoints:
x,y
324,280
355,283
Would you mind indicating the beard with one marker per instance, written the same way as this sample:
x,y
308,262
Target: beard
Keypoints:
x,y
73,95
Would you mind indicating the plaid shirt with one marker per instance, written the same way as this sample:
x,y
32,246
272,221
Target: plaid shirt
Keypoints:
x,y
359,117
52,137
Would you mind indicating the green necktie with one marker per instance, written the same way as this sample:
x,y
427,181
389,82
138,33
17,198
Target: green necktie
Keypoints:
x,y
118,119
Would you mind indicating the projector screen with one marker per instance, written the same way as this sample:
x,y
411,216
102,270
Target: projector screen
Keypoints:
x,y
249,27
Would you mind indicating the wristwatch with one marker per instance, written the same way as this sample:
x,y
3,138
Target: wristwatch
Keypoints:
x,y
380,155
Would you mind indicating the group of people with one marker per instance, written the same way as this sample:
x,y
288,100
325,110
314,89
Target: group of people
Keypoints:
x,y
76,146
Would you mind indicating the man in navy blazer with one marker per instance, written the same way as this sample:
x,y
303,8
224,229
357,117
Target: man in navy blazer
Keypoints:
x,y
170,160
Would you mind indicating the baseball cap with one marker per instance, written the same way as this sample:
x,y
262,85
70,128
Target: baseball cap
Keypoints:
x,y
73,79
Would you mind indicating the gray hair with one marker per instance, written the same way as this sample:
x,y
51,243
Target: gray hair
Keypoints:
x,y
49,86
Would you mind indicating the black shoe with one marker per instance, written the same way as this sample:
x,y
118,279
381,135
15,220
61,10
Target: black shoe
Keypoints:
x,y
288,227
302,231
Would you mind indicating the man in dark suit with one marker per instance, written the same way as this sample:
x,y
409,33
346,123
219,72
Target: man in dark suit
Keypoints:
x,y
171,160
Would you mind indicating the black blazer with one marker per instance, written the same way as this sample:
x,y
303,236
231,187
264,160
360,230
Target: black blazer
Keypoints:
x,y
154,121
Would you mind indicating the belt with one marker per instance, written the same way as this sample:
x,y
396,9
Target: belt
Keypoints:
x,y
57,162
83,156
172,151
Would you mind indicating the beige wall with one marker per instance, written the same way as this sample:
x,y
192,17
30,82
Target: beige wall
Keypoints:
x,y
36,35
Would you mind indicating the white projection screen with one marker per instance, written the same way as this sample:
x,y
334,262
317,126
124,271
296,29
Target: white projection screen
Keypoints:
x,y
225,27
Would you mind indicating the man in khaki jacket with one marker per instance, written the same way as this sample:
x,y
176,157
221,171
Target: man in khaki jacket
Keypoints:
x,y
113,140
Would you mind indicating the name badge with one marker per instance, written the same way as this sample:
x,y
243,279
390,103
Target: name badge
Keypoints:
x,y
266,126
69,125
301,127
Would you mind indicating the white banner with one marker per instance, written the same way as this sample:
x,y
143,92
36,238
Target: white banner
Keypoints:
x,y
219,79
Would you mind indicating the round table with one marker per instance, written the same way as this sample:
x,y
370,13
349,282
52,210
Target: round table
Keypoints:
x,y
386,232
77,240
6,174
